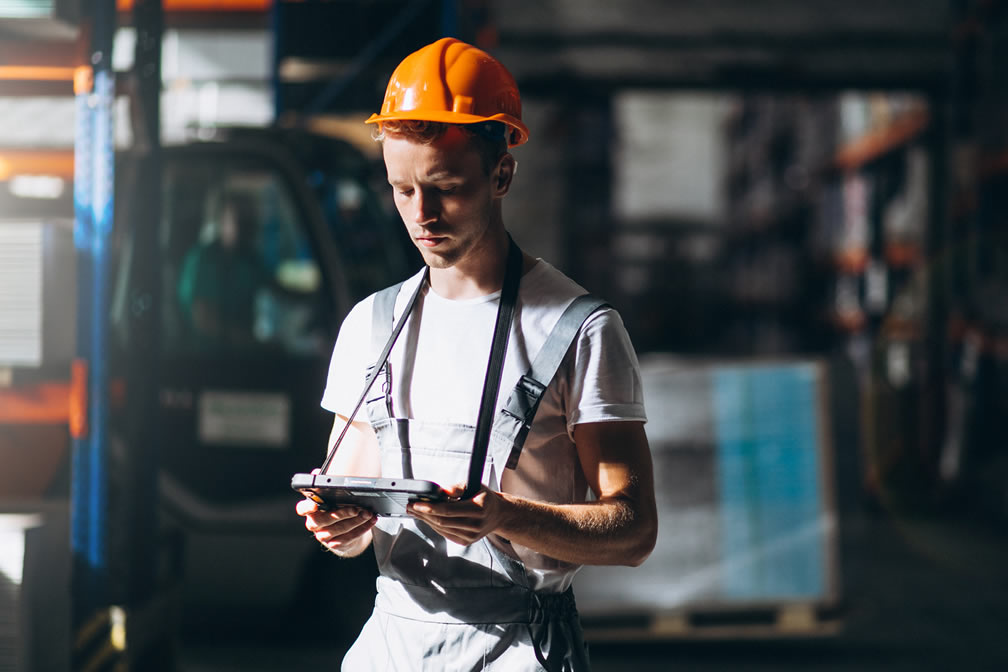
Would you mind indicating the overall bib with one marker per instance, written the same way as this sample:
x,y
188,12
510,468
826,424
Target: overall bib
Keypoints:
x,y
445,607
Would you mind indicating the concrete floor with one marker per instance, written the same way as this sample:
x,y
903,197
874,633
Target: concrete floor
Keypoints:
x,y
918,593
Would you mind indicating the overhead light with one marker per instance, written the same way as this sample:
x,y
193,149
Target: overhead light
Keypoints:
x,y
26,9
36,186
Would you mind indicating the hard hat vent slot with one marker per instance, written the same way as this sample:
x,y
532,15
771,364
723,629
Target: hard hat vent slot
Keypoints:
x,y
509,104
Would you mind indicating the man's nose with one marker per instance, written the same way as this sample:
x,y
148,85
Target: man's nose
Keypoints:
x,y
426,207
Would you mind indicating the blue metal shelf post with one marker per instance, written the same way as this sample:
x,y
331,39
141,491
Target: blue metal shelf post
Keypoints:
x,y
93,210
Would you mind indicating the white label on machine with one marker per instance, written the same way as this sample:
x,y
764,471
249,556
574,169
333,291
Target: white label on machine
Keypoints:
x,y
256,420
21,293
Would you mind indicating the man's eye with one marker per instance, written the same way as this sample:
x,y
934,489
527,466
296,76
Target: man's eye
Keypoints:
x,y
404,192
447,190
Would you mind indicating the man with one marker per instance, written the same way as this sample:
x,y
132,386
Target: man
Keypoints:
x,y
219,279
481,583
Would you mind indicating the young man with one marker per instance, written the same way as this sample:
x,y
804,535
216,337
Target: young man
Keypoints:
x,y
481,583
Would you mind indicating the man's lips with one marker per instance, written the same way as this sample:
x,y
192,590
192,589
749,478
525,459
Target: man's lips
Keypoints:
x,y
429,241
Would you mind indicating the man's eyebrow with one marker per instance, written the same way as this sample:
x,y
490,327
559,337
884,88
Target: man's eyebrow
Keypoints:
x,y
440,176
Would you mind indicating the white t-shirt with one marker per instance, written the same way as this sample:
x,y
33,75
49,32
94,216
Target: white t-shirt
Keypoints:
x,y
599,379
453,347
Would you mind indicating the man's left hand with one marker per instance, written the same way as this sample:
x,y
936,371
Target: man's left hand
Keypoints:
x,y
462,521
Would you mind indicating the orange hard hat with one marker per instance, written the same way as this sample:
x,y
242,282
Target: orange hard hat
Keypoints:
x,y
456,83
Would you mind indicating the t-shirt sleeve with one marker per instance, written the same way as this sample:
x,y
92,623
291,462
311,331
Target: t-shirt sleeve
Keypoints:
x,y
605,380
350,359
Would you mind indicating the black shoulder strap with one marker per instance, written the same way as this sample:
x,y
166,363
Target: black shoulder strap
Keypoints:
x,y
523,403
495,367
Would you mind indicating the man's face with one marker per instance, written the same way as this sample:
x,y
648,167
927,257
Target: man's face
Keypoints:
x,y
228,234
443,194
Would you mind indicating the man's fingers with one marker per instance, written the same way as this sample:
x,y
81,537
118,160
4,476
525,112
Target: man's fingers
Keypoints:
x,y
306,507
455,490
345,530
460,509
460,535
318,520
455,523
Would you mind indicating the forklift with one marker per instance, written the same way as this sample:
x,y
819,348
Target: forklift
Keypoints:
x,y
237,395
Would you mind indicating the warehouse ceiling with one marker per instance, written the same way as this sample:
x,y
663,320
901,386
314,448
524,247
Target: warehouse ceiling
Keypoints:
x,y
560,47
718,42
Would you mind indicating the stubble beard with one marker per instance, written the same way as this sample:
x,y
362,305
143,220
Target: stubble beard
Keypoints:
x,y
439,261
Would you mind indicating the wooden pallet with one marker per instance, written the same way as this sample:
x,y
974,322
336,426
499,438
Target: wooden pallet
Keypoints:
x,y
794,620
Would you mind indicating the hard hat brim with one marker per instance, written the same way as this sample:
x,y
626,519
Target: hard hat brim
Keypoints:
x,y
455,118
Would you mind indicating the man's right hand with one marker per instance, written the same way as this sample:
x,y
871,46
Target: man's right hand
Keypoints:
x,y
346,531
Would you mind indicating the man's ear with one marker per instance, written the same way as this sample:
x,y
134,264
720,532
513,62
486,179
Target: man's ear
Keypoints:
x,y
503,173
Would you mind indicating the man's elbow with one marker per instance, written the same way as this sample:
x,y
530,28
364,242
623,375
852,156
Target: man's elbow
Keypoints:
x,y
643,538
644,544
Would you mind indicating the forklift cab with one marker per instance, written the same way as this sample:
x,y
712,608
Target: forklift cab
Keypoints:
x,y
252,293
265,238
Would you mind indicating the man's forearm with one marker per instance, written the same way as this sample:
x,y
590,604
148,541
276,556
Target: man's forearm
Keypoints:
x,y
608,532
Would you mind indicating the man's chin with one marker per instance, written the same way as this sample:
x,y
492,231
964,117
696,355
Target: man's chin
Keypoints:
x,y
435,260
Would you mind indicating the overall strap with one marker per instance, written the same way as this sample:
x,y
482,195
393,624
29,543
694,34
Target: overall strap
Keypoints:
x,y
382,320
523,403
388,304
382,324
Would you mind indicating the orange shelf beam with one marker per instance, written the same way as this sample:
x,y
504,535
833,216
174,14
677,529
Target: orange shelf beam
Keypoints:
x,y
36,162
205,5
873,145
37,73
46,403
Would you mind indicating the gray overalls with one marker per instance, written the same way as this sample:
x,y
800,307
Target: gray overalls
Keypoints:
x,y
441,606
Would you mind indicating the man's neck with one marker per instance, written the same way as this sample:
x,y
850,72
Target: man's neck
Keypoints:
x,y
450,283
479,274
